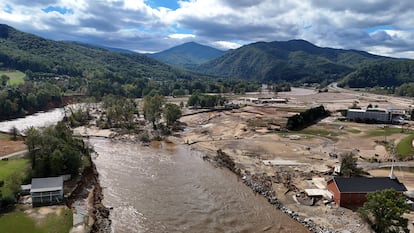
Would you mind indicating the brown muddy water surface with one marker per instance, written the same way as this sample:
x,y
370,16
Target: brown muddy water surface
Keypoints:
x,y
171,189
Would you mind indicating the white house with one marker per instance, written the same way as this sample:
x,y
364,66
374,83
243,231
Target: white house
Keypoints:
x,y
47,190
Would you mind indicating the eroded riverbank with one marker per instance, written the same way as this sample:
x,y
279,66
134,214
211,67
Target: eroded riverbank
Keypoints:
x,y
86,201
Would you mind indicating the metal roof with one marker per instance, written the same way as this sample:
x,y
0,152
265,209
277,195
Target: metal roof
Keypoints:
x,y
26,186
46,184
318,192
356,110
366,185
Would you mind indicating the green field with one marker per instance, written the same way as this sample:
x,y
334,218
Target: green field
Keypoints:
x,y
16,77
354,131
13,172
383,132
405,148
323,131
20,222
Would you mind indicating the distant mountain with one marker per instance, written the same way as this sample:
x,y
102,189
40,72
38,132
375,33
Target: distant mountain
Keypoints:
x,y
118,50
112,49
23,51
294,60
291,61
187,55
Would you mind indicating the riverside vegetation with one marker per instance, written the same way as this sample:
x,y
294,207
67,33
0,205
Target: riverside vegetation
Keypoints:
x,y
58,69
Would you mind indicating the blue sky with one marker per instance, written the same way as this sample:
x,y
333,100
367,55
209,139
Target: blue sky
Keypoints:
x,y
58,9
171,4
378,26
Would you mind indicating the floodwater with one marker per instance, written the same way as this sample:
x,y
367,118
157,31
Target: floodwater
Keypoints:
x,y
37,120
40,119
169,188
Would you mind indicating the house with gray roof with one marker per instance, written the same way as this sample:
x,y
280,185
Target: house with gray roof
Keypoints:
x,y
47,191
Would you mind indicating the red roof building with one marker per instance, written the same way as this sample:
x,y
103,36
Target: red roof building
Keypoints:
x,y
351,192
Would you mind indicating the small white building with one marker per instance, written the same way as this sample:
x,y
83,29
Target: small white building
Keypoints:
x,y
272,101
46,191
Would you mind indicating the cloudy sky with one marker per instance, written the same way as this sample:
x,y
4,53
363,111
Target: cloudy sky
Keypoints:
x,y
378,26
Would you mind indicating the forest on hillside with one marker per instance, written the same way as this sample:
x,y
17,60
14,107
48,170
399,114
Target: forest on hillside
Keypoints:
x,y
55,71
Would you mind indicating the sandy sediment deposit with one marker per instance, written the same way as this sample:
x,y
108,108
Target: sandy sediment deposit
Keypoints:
x,y
255,145
93,132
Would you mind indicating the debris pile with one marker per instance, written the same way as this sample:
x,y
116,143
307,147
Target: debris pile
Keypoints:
x,y
262,184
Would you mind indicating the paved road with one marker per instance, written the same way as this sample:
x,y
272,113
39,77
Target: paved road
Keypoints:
x,y
15,154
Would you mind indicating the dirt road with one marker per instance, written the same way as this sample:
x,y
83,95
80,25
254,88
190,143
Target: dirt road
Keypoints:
x,y
8,147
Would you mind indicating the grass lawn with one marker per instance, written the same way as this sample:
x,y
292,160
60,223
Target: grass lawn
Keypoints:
x,y
4,136
354,131
16,77
405,148
20,222
13,172
383,132
319,131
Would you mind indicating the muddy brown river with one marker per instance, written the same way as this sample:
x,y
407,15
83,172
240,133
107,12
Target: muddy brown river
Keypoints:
x,y
170,188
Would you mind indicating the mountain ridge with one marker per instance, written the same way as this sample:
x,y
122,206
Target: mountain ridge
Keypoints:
x,y
294,61
187,55
24,51
291,60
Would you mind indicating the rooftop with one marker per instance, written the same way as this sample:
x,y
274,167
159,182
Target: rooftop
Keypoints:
x,y
366,185
356,110
376,110
368,110
46,184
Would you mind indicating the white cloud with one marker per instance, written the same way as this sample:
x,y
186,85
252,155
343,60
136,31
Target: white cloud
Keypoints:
x,y
134,25
226,45
181,36
134,4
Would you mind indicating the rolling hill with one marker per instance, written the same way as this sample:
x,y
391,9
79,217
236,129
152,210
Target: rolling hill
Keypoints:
x,y
291,61
386,74
187,55
294,60
23,51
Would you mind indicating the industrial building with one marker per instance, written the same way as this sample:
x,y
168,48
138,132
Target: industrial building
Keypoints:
x,y
369,114
376,115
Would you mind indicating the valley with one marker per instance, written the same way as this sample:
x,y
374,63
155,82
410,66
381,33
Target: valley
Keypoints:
x,y
152,122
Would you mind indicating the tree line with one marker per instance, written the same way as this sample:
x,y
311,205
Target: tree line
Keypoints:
x,y
133,87
28,98
55,151
306,118
206,101
41,94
